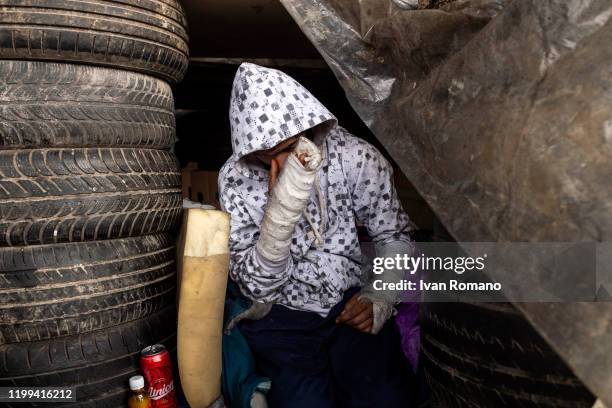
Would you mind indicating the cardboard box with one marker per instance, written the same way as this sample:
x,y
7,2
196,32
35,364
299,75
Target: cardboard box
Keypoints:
x,y
204,188
186,179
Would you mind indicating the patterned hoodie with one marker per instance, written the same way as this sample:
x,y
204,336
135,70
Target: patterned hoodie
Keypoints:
x,y
354,186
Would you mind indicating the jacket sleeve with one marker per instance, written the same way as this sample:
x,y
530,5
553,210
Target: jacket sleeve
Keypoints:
x,y
373,194
258,278
377,207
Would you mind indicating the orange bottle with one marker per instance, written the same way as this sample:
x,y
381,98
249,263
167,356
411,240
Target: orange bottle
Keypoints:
x,y
139,397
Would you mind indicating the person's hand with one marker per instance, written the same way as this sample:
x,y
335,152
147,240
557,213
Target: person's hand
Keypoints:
x,y
277,163
357,313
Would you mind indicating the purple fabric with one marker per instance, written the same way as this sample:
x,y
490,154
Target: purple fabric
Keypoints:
x,y
407,320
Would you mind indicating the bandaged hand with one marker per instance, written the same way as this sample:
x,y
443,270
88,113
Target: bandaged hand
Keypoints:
x,y
287,198
277,163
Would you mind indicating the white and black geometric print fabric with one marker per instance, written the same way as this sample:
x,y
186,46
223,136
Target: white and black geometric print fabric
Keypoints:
x,y
267,107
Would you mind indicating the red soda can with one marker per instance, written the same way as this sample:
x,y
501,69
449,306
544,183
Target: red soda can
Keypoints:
x,y
157,370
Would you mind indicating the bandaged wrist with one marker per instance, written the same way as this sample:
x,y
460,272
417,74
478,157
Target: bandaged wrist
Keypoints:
x,y
381,311
287,201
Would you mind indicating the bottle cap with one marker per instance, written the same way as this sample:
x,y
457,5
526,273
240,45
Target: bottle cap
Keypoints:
x,y
136,382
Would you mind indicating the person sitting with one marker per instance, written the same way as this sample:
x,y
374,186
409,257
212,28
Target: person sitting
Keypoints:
x,y
296,186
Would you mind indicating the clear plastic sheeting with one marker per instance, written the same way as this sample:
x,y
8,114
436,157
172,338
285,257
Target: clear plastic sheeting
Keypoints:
x,y
500,113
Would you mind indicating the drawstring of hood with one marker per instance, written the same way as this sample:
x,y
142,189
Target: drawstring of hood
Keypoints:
x,y
318,232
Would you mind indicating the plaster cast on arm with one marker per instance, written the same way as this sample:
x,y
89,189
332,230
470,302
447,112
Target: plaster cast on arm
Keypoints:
x,y
287,200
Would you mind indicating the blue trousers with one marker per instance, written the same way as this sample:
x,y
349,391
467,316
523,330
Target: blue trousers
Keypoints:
x,y
315,363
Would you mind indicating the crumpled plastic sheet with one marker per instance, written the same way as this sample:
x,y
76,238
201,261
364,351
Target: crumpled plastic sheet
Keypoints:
x,y
500,113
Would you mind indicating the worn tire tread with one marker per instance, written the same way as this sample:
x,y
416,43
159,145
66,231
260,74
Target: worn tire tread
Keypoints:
x,y
65,105
485,355
145,36
51,291
74,195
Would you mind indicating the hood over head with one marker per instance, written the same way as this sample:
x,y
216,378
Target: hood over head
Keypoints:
x,y
268,106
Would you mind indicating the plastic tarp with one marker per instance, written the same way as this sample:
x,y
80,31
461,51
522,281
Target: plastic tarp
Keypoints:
x,y
500,113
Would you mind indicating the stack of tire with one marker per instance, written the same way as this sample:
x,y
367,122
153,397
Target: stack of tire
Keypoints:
x,y
89,191
485,355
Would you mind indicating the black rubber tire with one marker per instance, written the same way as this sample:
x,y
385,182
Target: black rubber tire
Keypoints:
x,y
97,364
64,105
487,355
50,291
74,195
148,36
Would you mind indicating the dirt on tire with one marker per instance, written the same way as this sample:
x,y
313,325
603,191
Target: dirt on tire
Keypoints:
x,y
146,36
50,196
487,355
45,104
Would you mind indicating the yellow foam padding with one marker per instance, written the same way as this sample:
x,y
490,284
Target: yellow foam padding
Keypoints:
x,y
203,270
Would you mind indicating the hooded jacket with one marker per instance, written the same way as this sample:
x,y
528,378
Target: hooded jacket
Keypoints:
x,y
354,186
